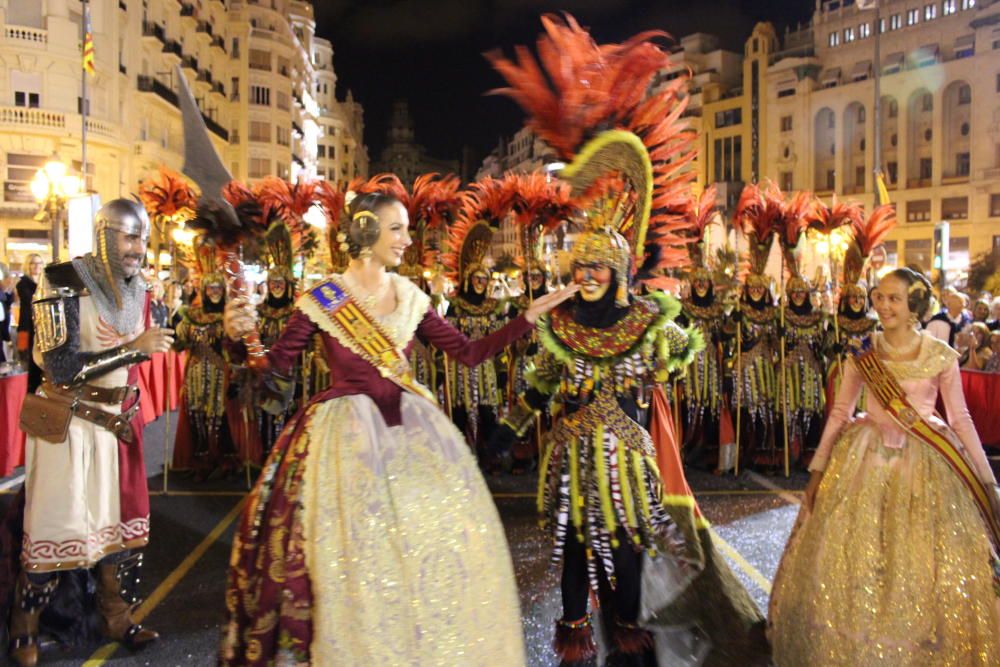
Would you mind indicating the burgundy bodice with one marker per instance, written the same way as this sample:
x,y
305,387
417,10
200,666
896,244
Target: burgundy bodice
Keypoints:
x,y
352,375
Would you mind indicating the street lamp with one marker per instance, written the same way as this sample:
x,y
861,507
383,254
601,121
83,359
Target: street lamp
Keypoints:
x,y
52,186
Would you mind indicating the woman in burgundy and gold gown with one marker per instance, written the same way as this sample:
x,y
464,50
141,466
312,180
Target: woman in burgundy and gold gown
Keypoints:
x,y
371,537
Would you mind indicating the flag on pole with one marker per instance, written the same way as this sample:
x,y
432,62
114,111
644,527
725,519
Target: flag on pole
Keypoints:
x,y
88,42
881,191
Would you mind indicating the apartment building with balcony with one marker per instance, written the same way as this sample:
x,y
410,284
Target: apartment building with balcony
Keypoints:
x,y
263,80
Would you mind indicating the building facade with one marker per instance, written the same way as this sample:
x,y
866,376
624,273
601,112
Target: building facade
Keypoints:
x,y
806,118
263,80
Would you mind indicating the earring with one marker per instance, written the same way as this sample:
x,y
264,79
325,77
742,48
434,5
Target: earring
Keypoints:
x,y
365,253
914,320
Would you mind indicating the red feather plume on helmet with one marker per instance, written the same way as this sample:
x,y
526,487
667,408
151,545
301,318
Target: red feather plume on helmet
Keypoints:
x,y
168,194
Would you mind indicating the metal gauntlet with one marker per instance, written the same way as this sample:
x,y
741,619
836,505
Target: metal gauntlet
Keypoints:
x,y
103,363
49,312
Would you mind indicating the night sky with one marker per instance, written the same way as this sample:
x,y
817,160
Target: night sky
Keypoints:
x,y
430,53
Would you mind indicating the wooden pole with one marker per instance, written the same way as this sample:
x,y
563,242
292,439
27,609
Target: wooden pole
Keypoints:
x,y
784,383
738,381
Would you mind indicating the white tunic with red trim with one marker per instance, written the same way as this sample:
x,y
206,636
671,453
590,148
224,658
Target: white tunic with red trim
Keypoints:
x,y
87,497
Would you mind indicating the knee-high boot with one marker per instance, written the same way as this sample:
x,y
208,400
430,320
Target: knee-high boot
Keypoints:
x,y
116,612
30,599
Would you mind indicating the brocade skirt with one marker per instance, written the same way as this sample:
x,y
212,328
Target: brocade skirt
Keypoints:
x,y
892,567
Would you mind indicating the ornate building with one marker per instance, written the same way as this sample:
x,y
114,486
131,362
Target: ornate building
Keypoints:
x,y
264,81
402,154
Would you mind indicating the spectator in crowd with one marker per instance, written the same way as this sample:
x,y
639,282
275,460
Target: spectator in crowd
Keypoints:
x,y
159,311
187,292
992,364
952,319
976,342
6,312
994,322
26,286
981,310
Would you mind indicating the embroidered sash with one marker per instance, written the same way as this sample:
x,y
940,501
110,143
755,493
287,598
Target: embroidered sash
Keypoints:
x,y
368,339
890,395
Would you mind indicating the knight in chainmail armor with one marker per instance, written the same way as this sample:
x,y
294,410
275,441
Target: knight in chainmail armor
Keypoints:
x,y
86,504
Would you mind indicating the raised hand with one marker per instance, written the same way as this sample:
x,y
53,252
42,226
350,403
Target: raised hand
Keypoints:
x,y
547,302
153,340
239,318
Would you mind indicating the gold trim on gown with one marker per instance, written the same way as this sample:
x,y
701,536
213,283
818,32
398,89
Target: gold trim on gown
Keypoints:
x,y
893,565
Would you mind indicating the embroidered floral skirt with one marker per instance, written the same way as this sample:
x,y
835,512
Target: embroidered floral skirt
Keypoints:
x,y
891,568
364,544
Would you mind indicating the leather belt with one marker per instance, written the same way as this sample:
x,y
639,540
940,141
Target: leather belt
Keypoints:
x,y
89,392
120,425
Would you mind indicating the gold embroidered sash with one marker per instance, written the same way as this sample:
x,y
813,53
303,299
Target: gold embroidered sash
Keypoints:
x,y
369,339
890,395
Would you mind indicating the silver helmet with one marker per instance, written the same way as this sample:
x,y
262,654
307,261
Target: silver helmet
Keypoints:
x,y
121,215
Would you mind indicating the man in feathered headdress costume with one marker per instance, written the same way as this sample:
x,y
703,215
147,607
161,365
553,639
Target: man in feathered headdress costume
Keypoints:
x,y
754,324
854,320
703,309
85,498
203,442
476,393
540,203
611,485
227,215
804,337
854,317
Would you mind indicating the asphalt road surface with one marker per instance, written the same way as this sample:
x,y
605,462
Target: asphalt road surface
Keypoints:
x,y
192,528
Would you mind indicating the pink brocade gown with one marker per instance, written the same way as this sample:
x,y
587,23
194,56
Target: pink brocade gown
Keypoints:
x,y
371,538
893,566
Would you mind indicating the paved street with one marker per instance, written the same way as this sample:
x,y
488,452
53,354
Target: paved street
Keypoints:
x,y
192,528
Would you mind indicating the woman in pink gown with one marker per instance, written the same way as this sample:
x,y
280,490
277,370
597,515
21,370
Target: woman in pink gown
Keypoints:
x,y
371,538
891,561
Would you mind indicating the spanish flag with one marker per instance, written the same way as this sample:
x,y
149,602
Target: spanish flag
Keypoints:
x,y
88,42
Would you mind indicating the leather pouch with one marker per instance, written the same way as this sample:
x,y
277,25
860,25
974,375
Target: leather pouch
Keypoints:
x,y
45,418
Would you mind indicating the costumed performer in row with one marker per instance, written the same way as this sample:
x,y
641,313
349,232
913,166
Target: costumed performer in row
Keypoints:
x,y
623,522
476,392
371,536
893,559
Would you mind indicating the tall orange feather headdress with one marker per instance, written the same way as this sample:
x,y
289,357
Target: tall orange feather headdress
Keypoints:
x,y
433,206
168,195
484,206
867,233
590,103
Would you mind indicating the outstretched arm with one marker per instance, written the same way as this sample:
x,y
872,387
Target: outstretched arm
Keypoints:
x,y
435,330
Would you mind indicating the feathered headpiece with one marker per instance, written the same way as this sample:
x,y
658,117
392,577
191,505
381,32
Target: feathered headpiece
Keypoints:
x,y
758,218
590,103
699,212
540,203
168,195
797,213
286,204
434,205
868,233
205,261
484,206
331,200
